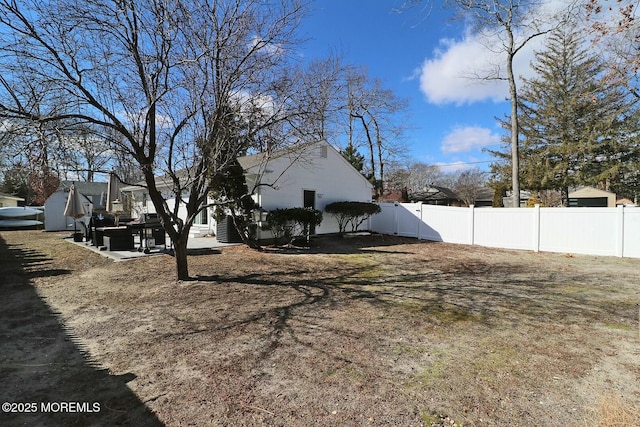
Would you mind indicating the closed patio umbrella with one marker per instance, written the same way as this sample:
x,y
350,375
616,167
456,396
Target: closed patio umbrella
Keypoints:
x,y
74,206
113,191
114,204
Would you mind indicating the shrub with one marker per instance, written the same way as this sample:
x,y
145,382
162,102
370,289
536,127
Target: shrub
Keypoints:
x,y
292,223
354,213
533,201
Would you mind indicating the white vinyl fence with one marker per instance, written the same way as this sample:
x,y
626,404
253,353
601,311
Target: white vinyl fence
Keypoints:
x,y
591,231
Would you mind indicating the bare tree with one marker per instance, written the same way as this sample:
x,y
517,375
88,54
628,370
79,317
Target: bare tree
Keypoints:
x,y
161,75
376,118
320,84
413,177
31,146
468,184
616,32
514,24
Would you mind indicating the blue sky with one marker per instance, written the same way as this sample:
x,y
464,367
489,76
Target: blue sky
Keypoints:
x,y
423,58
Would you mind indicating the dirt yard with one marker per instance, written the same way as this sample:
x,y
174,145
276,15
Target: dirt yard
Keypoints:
x,y
367,331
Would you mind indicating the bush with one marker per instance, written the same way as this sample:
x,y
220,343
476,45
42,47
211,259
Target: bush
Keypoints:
x,y
292,223
354,213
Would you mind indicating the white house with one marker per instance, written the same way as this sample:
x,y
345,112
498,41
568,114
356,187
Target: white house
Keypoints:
x,y
313,175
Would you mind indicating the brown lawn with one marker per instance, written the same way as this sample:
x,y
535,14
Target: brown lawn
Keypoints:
x,y
359,331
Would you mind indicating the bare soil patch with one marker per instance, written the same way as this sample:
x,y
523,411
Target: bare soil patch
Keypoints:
x,y
373,330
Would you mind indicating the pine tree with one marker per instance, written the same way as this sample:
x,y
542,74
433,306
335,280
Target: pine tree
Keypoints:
x,y
572,118
354,157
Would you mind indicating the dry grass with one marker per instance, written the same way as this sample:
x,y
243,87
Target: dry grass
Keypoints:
x,y
365,331
614,411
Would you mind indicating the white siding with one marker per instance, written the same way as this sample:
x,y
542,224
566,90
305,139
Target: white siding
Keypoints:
x,y
54,219
321,169
332,178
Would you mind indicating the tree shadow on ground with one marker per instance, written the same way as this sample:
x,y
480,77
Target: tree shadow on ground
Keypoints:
x,y
335,244
486,293
42,364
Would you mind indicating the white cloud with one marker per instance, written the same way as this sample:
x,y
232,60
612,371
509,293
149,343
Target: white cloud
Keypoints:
x,y
162,120
271,49
445,78
453,74
469,138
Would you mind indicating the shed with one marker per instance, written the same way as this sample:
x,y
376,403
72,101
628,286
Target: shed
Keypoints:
x,y
591,197
92,194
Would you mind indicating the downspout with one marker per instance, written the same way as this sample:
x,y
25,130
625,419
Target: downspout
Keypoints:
x,y
259,223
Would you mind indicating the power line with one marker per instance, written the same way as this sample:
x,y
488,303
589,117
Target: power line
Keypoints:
x,y
440,165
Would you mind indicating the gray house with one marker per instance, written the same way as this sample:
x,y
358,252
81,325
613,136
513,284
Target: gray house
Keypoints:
x,y
436,195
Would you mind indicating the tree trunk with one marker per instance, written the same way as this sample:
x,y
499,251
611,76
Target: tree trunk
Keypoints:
x,y
564,196
371,151
180,252
380,162
515,128
246,239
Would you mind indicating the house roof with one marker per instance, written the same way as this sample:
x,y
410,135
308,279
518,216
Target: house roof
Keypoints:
x,y
589,192
86,188
433,193
485,194
293,154
11,196
259,160
253,160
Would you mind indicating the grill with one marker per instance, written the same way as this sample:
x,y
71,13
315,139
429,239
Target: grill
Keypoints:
x,y
150,230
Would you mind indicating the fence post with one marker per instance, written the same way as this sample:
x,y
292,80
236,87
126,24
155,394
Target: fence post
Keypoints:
x,y
395,218
620,229
472,214
536,228
419,221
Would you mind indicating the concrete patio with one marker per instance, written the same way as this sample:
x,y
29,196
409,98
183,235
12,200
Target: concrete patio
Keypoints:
x,y
195,245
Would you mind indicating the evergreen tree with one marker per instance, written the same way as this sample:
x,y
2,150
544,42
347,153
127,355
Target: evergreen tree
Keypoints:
x,y
354,157
572,118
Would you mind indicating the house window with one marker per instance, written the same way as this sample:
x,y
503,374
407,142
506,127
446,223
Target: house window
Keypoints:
x,y
203,217
324,152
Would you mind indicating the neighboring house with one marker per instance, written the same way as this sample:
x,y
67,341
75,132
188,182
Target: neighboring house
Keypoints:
x,y
313,175
93,195
591,197
484,198
507,201
435,195
9,201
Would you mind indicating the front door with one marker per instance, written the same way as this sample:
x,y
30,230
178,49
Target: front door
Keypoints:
x,y
310,202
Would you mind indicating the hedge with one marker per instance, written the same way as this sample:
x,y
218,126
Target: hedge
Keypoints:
x,y
354,213
292,223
